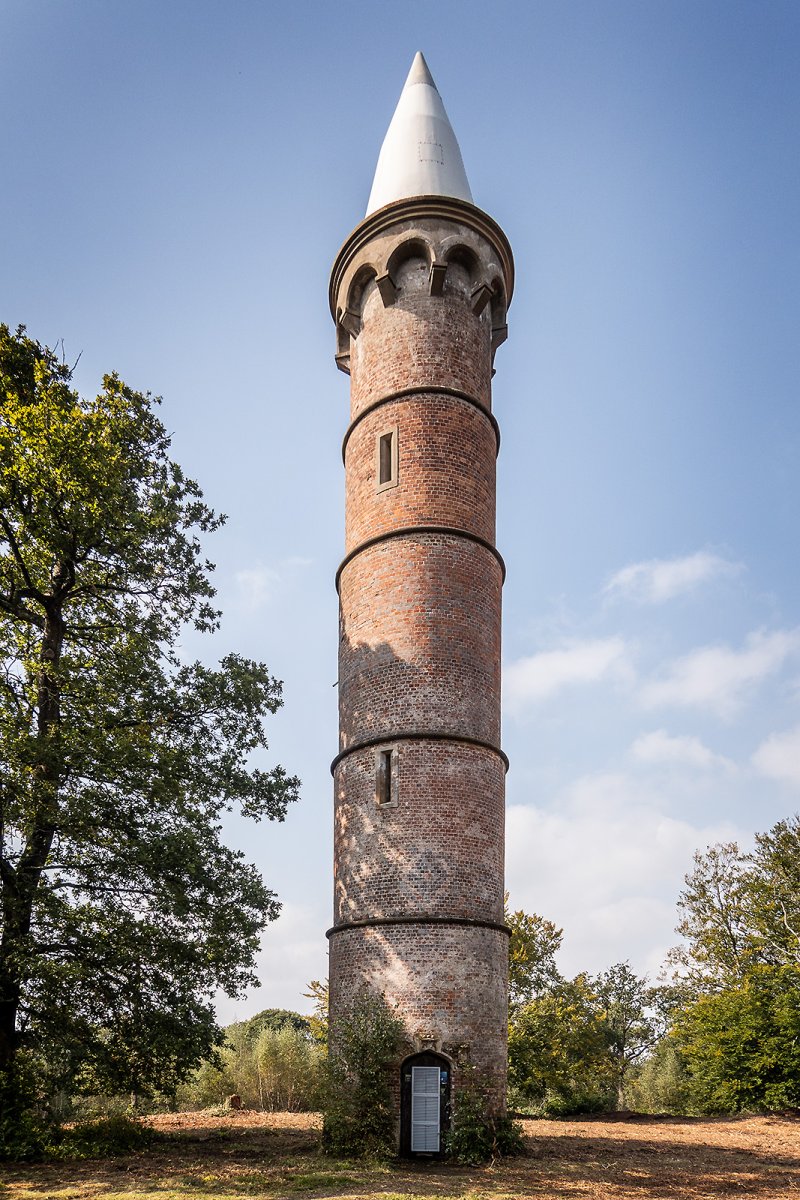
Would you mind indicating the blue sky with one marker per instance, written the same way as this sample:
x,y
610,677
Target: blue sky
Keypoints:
x,y
177,179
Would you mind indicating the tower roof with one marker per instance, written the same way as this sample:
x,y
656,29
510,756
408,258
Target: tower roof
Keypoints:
x,y
420,155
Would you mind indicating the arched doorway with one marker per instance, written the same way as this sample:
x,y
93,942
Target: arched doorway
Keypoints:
x,y
425,1081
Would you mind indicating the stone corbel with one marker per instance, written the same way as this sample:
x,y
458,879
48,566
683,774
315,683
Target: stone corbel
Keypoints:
x,y
480,297
350,320
499,335
437,274
387,288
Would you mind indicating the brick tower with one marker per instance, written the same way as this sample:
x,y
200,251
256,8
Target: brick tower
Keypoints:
x,y
419,293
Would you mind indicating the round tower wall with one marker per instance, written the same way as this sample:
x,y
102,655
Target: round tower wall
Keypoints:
x,y
419,782
420,340
446,450
449,982
419,645
436,847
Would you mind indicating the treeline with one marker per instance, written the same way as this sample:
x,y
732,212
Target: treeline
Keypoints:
x,y
719,1034
273,1062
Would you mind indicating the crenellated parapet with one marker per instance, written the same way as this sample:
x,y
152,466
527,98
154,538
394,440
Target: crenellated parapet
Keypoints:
x,y
457,248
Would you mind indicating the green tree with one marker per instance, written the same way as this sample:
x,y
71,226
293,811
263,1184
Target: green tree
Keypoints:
x,y
741,1045
662,1083
626,1008
714,918
774,885
558,1050
740,916
533,946
318,1021
276,1019
122,912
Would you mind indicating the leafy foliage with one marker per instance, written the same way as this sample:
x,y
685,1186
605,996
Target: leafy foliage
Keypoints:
x,y
739,1031
662,1084
741,1045
357,1102
573,1043
272,1063
122,911
533,945
318,1021
478,1132
106,1137
626,1005
558,1051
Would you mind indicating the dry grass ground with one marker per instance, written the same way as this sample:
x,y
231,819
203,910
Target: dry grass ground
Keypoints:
x,y
275,1155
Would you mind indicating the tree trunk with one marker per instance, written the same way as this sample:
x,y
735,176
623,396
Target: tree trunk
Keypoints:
x,y
21,883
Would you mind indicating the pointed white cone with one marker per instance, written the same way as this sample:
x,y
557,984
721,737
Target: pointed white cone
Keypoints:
x,y
420,154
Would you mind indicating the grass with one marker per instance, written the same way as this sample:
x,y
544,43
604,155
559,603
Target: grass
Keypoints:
x,y
276,1157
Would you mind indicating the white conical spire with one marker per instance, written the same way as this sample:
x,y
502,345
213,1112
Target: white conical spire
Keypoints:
x,y
420,154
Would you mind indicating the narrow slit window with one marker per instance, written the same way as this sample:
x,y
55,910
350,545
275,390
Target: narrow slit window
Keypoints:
x,y
386,776
386,459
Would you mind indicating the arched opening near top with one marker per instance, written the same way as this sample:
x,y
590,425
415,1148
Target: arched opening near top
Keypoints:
x,y
463,256
359,288
406,260
425,1089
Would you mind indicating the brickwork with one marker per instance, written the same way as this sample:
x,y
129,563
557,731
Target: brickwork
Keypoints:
x,y
449,982
420,639
437,851
446,466
418,891
420,340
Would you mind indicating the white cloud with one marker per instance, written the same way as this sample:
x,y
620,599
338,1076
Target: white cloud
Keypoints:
x,y
779,756
256,587
661,579
529,680
293,952
661,747
717,678
607,865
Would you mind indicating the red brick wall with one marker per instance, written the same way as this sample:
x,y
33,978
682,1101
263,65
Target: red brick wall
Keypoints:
x,y
420,639
447,980
438,851
446,469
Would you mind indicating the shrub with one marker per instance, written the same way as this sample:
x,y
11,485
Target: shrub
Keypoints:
x,y
107,1137
662,1085
478,1132
357,1102
289,1067
23,1128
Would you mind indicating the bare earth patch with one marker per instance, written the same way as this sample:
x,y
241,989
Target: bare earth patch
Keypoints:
x,y
275,1155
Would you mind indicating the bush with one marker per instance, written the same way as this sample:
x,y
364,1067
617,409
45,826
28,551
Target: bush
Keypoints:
x,y
357,1101
561,1104
23,1126
107,1137
478,1133
289,1070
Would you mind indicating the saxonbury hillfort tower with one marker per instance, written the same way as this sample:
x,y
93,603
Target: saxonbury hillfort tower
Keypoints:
x,y
419,293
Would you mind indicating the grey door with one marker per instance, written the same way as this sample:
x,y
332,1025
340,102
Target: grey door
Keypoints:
x,y
425,1109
